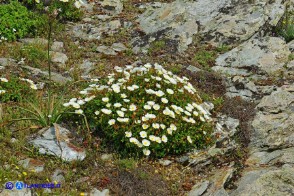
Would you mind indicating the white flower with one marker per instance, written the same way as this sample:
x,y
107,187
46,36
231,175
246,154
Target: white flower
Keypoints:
x,y
202,119
162,126
151,103
111,122
155,125
66,104
105,99
152,116
167,111
145,119
133,107
126,100
115,88
158,140
123,96
122,119
117,105
195,113
152,138
164,138
33,86
148,65
3,80
108,105
164,100
156,107
147,107
89,98
135,86
120,113
65,1
146,152
145,126
75,105
169,131
128,134
187,113
158,86
77,4
133,140
80,102
169,91
158,78
159,93
96,112
145,142
173,127
150,91
147,79
106,111
189,139
130,88
124,109
143,134
79,111
137,121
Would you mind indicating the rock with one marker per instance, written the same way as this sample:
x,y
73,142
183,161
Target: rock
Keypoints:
x,y
57,47
86,67
193,69
7,62
106,50
268,55
283,156
270,181
56,77
224,21
32,164
291,46
47,144
277,102
118,47
96,192
199,189
15,192
165,162
274,122
34,41
107,157
289,74
58,176
113,7
58,57
13,140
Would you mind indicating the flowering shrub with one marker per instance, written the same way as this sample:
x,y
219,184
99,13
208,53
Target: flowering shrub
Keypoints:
x,y
146,110
16,89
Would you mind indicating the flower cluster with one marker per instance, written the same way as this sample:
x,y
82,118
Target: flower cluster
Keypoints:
x,y
146,109
32,84
3,80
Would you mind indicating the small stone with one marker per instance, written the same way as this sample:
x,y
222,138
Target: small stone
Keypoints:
x,y
105,50
7,61
165,162
193,69
107,157
58,176
113,7
199,189
57,47
118,47
86,67
58,57
182,159
32,164
13,140
96,192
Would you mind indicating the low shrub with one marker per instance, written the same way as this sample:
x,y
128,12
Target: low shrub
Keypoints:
x,y
16,89
17,21
146,110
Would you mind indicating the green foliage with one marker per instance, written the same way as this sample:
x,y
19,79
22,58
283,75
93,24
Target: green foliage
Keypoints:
x,y
17,21
205,58
286,27
68,11
146,110
156,46
16,90
35,54
126,164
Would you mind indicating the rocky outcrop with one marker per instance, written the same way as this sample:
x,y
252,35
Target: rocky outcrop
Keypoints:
x,y
219,22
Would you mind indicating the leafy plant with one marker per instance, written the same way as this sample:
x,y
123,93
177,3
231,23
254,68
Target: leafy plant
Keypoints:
x,y
15,90
146,110
286,27
68,10
17,21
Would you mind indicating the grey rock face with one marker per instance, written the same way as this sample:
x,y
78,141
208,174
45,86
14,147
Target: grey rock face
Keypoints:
x,y
48,144
223,21
271,181
113,7
199,188
115,47
58,176
57,46
96,192
58,57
